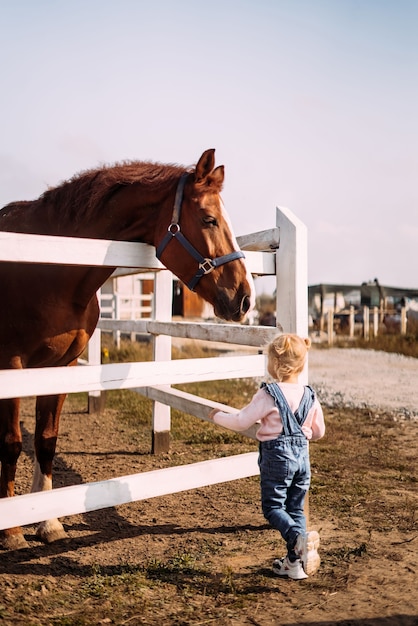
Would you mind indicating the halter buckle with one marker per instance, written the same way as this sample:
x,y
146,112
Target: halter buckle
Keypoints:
x,y
207,266
173,228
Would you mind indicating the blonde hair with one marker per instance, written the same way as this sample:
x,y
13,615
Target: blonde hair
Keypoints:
x,y
287,355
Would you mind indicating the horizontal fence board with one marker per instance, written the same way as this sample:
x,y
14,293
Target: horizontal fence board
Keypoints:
x,y
256,336
25,248
261,263
76,251
53,380
37,507
263,240
191,404
124,326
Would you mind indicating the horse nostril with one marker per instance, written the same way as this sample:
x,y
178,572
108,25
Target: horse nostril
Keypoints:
x,y
245,304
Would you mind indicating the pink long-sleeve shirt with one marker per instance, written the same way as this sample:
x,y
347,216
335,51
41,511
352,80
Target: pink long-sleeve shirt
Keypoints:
x,y
263,409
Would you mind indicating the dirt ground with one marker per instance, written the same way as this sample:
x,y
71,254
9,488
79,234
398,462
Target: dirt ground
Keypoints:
x,y
204,556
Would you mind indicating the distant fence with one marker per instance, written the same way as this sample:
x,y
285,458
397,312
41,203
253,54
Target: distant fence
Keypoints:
x,y
122,306
368,322
279,252
117,306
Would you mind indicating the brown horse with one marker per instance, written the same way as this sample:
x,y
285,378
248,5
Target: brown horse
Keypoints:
x,y
49,312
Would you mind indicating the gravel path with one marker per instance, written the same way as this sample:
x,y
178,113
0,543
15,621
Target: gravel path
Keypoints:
x,y
365,378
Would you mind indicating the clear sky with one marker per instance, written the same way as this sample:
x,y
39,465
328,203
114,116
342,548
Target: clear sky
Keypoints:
x,y
310,104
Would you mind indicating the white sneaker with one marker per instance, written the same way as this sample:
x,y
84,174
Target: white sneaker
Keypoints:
x,y
306,548
284,567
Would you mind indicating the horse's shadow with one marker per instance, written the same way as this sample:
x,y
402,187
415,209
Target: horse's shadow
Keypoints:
x,y
24,561
100,524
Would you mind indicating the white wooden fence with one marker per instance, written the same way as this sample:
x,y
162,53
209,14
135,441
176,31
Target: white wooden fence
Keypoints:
x,y
280,252
373,320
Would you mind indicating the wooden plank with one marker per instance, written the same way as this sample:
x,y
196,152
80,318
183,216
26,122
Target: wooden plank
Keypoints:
x,y
24,248
191,404
256,336
264,240
124,326
53,380
261,263
37,507
76,251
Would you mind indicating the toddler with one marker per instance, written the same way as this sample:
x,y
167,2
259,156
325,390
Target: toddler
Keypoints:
x,y
290,416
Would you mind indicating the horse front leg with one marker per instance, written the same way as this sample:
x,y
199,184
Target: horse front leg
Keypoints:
x,y
10,449
48,411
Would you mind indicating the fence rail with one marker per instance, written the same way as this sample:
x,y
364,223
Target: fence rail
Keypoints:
x,y
366,323
36,507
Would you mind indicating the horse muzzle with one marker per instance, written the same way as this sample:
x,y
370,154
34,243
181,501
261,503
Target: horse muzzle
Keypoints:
x,y
233,310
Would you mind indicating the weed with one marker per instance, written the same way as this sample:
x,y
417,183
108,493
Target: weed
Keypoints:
x,y
180,570
228,582
346,554
101,584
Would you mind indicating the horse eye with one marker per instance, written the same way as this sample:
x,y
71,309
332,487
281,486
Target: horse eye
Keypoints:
x,y
210,221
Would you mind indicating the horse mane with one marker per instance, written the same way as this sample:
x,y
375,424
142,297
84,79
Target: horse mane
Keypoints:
x,y
86,192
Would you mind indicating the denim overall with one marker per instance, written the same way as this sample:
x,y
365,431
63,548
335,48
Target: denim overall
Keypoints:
x,y
285,472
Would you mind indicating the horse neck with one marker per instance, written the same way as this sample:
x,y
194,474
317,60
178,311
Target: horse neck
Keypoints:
x,y
127,216
133,214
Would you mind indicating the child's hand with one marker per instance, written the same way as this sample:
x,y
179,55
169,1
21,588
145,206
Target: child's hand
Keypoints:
x,y
212,413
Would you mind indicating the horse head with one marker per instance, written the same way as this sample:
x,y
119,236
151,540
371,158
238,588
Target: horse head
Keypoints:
x,y
198,244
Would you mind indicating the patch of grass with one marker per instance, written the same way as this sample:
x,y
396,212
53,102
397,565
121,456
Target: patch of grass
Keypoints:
x,y
345,553
213,435
175,570
128,350
398,344
104,581
385,341
131,406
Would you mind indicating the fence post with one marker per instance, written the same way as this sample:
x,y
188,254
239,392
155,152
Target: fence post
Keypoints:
x,y
161,414
292,273
330,327
403,320
366,323
375,321
351,321
116,334
292,276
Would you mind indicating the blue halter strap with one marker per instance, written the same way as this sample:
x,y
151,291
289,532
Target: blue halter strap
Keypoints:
x,y
206,265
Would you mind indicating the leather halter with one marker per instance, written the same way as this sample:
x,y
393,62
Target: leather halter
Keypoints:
x,y
206,265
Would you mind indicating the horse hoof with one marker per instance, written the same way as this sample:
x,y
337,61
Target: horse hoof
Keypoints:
x,y
50,531
14,542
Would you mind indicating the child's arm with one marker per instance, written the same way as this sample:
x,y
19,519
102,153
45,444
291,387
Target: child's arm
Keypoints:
x,y
318,422
242,420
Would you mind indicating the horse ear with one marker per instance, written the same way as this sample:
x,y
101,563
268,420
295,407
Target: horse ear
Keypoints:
x,y
217,177
205,165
